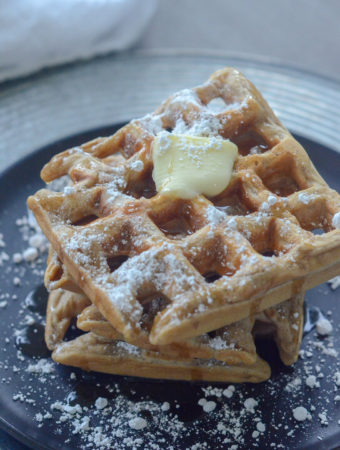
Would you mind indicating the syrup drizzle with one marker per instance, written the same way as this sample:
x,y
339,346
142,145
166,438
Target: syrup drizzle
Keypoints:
x,y
31,340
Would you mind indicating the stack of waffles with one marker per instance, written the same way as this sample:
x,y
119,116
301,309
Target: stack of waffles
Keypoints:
x,y
169,288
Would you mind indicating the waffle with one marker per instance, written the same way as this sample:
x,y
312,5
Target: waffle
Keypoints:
x,y
287,322
232,344
92,352
212,262
103,349
284,321
62,307
57,276
109,353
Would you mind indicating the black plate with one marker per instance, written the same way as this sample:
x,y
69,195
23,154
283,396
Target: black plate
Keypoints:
x,y
185,423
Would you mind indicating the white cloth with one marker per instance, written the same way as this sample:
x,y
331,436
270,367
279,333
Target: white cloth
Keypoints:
x,y
40,33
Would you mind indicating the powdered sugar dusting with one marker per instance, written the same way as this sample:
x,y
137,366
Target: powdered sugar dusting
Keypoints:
x,y
300,414
137,423
323,326
305,197
334,282
336,220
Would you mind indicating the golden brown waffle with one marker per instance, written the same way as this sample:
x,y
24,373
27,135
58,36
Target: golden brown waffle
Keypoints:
x,y
233,344
287,322
113,355
212,261
57,276
92,352
284,321
62,307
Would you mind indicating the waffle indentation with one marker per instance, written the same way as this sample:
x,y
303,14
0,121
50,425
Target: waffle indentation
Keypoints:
x,y
114,262
85,220
177,220
270,241
211,277
280,176
311,209
214,260
250,142
234,201
152,305
143,187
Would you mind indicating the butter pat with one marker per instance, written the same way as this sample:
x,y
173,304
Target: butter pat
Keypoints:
x,y
186,166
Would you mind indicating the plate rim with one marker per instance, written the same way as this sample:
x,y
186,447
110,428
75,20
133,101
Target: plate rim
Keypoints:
x,y
171,52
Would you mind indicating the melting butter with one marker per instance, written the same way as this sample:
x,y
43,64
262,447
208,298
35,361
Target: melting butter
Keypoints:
x,y
185,166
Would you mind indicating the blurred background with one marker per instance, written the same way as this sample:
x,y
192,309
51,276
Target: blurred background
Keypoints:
x,y
45,43
305,33
78,64
39,33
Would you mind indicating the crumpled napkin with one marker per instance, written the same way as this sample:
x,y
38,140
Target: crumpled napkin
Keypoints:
x,y
40,33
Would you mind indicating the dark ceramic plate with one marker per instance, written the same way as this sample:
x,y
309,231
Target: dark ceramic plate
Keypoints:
x,y
185,424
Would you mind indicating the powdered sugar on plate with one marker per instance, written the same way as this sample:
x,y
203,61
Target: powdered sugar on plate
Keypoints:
x,y
334,282
110,411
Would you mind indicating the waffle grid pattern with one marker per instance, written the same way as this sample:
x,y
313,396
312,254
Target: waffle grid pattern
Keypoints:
x,y
205,257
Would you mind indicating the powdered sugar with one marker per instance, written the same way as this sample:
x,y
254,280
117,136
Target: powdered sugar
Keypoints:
x,y
300,414
30,254
152,264
323,326
229,392
214,216
163,141
312,382
101,403
305,197
336,220
126,347
323,418
207,126
38,241
207,406
165,406
271,200
261,427
3,258
137,423
217,343
17,258
43,366
250,404
2,242
334,282
137,165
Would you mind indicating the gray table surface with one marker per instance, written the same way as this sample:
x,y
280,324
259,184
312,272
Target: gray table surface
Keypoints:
x,y
304,33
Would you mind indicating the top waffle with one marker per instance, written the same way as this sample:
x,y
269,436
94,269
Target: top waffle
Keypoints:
x,y
164,269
